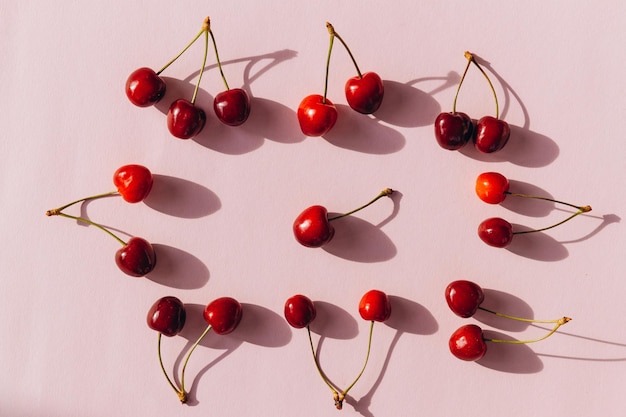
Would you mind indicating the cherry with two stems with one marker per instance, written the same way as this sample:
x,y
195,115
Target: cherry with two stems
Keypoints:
x,y
312,228
136,257
468,342
493,188
167,317
299,312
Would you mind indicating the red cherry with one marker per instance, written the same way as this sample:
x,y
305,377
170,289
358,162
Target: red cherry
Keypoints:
x,y
167,316
467,343
316,115
299,311
496,232
453,130
137,258
232,106
184,119
365,94
492,187
223,315
312,227
375,306
491,134
464,297
133,182
144,87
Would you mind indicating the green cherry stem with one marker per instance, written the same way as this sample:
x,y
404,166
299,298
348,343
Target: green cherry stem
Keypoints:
x,y
471,59
581,210
332,32
186,47
383,193
506,316
318,367
458,88
182,375
82,219
206,28
56,211
217,57
559,323
584,208
179,392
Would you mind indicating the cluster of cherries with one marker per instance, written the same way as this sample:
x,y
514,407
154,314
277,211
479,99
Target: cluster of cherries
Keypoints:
x,y
185,120
300,311
167,316
468,342
136,257
493,188
453,130
364,93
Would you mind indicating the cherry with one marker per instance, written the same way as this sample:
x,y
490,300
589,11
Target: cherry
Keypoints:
x,y
167,316
453,130
232,107
467,343
364,93
492,187
144,87
136,258
184,119
223,315
312,227
464,297
316,115
491,134
375,306
133,182
496,232
299,311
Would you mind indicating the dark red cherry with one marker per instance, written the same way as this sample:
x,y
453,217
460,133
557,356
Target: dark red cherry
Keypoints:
x,y
299,311
467,343
144,87
223,315
365,94
167,316
184,119
133,182
492,187
137,258
453,130
316,115
375,306
491,134
496,232
232,107
312,227
464,297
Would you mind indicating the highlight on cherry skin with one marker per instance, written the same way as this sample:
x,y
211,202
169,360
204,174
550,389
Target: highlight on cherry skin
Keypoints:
x,y
299,311
144,87
312,228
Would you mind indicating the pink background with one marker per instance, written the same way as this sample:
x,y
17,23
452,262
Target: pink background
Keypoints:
x,y
74,339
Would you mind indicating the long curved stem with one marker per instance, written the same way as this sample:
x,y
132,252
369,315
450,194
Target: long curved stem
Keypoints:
x,y
581,210
383,193
330,50
367,356
182,375
518,318
56,211
185,49
217,58
331,29
458,88
174,387
206,28
559,323
471,58
317,365
99,226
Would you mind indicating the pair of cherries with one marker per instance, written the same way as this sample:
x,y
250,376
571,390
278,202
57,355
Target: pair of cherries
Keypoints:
x,y
453,130
300,311
136,257
493,188
364,93
167,316
469,342
185,120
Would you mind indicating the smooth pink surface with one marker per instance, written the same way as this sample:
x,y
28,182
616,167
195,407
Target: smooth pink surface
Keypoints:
x,y
74,337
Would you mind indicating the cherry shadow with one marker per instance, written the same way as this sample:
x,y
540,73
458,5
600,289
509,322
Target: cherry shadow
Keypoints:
x,y
273,121
621,357
263,327
333,322
176,268
510,358
504,303
538,246
181,198
528,206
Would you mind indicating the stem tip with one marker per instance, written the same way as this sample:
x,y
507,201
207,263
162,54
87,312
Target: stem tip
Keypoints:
x,y
206,24
585,209
469,55
52,212
331,29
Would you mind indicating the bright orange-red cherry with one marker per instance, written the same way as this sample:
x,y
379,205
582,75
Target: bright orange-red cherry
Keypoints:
x,y
492,187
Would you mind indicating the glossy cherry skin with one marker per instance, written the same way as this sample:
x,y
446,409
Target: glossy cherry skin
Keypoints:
x,y
223,315
496,232
365,94
299,311
137,258
491,134
167,316
316,116
375,306
453,130
133,182
312,227
467,343
144,87
464,297
232,107
184,119
492,187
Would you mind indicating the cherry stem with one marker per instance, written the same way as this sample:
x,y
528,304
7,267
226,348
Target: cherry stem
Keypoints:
x,y
56,211
99,226
581,210
217,58
471,59
206,28
318,367
517,318
332,32
179,392
204,23
330,50
367,356
383,193
559,323
195,345
458,88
